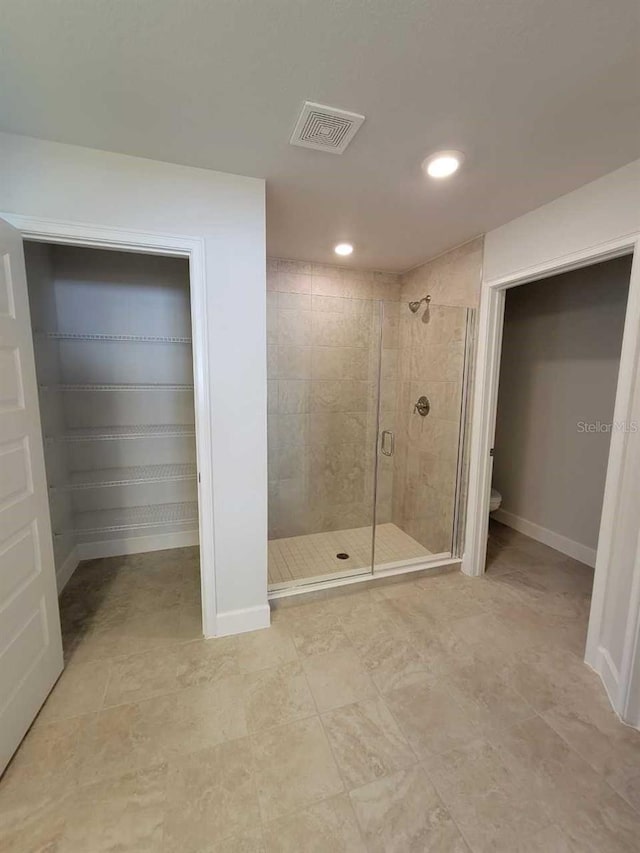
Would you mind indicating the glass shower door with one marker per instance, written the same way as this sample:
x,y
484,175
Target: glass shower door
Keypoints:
x,y
420,470
323,384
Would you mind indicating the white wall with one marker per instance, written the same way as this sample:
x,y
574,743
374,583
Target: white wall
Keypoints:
x,y
81,185
586,220
560,357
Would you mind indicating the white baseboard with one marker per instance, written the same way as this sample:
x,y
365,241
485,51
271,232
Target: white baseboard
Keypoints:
x,y
136,545
548,537
604,666
63,574
241,621
609,675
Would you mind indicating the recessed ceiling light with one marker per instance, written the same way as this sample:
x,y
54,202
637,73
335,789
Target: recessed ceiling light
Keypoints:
x,y
442,164
343,249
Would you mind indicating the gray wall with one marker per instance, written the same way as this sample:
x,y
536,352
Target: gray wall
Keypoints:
x,y
560,357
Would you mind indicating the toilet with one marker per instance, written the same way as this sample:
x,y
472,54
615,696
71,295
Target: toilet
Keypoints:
x,y
495,500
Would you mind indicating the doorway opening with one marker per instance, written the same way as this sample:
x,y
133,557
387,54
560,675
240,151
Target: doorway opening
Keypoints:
x,y
112,343
560,359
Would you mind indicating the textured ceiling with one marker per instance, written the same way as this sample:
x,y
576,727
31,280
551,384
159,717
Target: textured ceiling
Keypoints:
x,y
541,95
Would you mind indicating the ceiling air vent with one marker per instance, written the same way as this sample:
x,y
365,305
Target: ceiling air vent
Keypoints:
x,y
325,128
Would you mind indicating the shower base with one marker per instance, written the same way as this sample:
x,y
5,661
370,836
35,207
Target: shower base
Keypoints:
x,y
314,555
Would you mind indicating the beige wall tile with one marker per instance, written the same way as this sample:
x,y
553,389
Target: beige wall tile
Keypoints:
x,y
339,363
293,429
339,395
292,462
294,362
272,397
452,279
328,429
291,265
340,330
272,362
337,473
294,328
330,304
293,396
348,286
289,282
294,301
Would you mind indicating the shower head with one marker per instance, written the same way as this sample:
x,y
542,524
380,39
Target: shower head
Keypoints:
x,y
413,306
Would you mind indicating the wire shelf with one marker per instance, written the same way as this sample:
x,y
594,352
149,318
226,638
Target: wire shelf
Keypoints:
x,y
116,433
135,475
142,339
122,386
134,518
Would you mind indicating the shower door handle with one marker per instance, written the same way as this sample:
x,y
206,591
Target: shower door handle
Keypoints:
x,y
387,434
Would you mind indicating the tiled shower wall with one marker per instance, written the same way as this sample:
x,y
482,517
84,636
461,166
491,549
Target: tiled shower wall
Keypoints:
x,y
430,362
323,329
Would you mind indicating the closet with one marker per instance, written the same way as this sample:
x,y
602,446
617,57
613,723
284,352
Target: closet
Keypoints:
x,y
112,340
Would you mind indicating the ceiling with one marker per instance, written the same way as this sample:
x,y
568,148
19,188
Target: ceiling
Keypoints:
x,y
541,95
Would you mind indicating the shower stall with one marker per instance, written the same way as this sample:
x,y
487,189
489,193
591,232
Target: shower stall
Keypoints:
x,y
367,401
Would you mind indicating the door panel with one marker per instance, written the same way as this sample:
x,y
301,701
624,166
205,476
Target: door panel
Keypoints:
x,y
322,437
424,358
30,640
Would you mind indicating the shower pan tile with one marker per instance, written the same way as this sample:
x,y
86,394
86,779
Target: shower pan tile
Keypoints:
x,y
314,555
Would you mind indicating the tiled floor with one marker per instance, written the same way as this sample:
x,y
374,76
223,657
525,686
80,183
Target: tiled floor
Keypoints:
x,y
301,558
445,714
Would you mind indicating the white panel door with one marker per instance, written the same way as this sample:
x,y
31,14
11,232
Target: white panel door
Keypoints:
x,y
30,640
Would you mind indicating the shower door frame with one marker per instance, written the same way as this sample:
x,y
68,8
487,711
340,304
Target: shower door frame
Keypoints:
x,y
458,516
193,250
622,685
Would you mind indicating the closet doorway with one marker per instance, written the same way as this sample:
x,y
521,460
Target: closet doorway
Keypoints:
x,y
113,354
112,342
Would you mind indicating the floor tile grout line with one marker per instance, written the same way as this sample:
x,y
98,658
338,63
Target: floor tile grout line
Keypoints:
x,y
463,835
